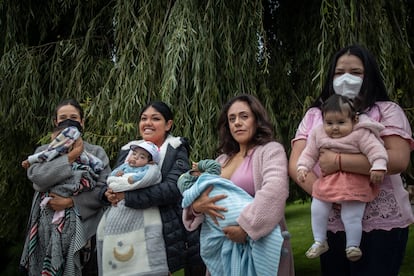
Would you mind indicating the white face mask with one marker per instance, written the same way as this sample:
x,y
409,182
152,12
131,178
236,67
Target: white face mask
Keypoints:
x,y
347,85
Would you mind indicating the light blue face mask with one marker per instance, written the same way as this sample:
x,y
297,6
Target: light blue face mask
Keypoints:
x,y
347,85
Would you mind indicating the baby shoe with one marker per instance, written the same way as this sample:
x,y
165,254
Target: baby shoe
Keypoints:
x,y
353,253
317,249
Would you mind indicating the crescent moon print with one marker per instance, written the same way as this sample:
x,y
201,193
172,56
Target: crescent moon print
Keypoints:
x,y
124,257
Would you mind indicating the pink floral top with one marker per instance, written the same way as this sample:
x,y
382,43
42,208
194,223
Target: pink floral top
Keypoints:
x,y
392,208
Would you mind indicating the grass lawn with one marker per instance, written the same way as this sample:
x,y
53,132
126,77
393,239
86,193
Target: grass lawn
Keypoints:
x,y
298,220
299,226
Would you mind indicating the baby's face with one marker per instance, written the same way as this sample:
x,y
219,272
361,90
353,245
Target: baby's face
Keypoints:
x,y
138,158
337,124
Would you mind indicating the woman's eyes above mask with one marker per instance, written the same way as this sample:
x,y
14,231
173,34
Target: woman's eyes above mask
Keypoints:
x,y
354,73
72,117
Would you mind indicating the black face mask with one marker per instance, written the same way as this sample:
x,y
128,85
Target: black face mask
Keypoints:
x,y
71,123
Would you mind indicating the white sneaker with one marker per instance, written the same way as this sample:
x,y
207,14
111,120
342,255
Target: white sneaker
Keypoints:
x,y
317,249
353,253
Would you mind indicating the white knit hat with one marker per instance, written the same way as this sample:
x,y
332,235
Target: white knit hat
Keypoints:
x,y
151,148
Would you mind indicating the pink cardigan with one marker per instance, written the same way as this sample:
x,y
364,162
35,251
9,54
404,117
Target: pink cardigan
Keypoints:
x,y
268,207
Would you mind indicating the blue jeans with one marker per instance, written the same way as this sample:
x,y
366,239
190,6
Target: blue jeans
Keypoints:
x,y
383,253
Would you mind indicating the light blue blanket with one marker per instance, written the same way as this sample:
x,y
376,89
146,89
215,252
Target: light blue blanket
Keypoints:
x,y
221,255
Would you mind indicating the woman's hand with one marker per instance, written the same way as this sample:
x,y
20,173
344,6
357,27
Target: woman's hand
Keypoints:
x,y
59,203
114,197
76,150
207,205
235,233
328,161
331,162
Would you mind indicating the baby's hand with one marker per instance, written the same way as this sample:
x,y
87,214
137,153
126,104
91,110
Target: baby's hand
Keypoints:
x,y
130,180
301,174
25,164
194,169
377,177
120,173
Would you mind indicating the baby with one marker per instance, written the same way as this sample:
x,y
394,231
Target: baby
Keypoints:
x,y
143,159
344,131
142,154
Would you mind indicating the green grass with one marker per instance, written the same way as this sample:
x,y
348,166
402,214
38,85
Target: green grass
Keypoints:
x,y
299,225
298,220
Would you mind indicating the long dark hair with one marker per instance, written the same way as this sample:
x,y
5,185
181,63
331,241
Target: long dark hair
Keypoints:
x,y
264,129
373,87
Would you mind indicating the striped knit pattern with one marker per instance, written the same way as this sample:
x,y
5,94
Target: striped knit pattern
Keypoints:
x,y
53,249
33,238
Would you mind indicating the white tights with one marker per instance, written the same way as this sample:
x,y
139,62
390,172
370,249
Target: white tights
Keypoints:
x,y
351,215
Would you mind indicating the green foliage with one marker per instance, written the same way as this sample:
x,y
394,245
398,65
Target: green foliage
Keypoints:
x,y
115,56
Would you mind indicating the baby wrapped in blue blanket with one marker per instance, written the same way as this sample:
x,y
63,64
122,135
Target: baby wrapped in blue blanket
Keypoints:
x,y
221,255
